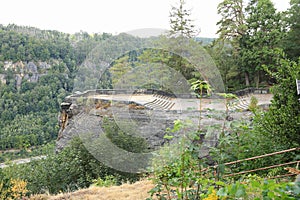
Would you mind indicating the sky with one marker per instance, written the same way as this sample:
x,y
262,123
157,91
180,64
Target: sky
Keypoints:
x,y
110,16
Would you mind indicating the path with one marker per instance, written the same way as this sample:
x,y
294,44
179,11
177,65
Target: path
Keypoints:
x,y
22,161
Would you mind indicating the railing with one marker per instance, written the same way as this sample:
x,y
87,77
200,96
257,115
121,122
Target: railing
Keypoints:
x,y
126,91
248,91
215,167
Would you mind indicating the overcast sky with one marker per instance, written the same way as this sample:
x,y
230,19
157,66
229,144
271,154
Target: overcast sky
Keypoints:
x,y
110,16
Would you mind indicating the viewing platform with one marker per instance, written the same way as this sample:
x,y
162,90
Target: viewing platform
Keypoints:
x,y
160,100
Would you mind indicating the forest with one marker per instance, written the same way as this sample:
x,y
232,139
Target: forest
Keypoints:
x,y
257,47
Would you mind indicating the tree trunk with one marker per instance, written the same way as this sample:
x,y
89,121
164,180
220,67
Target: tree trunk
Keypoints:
x,y
247,80
257,79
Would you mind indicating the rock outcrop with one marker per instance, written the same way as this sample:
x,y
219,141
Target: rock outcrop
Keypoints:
x,y
31,71
132,118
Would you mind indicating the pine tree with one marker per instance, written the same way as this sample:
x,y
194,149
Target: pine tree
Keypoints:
x,y
260,43
232,25
226,48
180,22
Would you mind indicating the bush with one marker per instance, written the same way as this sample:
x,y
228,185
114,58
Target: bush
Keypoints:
x,y
124,140
71,169
13,189
253,104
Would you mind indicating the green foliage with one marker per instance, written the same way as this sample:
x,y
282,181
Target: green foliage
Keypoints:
x,y
225,50
68,170
183,176
237,144
177,168
124,140
232,25
260,43
226,60
46,149
253,104
28,109
281,122
291,43
179,176
151,68
200,87
119,71
253,187
187,57
106,181
180,22
29,116
252,37
29,130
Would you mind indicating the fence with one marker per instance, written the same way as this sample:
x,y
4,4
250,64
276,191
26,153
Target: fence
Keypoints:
x,y
248,91
297,162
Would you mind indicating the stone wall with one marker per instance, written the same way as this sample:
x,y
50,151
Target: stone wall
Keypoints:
x,y
248,91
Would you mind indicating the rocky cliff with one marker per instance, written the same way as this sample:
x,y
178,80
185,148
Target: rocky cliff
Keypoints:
x,y
81,114
30,71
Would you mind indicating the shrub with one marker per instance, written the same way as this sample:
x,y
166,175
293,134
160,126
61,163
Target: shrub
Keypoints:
x,y
253,104
69,170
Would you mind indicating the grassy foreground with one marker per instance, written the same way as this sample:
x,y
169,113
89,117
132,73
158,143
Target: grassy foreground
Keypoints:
x,y
136,191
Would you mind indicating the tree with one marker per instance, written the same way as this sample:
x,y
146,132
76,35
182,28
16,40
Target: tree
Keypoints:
x,y
232,25
180,22
282,122
227,63
291,43
226,48
118,71
260,43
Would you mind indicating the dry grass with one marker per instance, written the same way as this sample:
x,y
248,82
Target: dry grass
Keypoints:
x,y
136,191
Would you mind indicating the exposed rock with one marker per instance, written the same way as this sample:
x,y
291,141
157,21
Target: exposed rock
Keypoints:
x,y
18,80
31,71
32,68
44,65
148,124
3,78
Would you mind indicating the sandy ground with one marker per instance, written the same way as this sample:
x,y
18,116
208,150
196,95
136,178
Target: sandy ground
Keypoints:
x,y
184,104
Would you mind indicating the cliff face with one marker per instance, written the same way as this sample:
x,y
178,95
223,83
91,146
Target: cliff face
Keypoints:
x,y
147,115
84,115
150,125
79,116
30,71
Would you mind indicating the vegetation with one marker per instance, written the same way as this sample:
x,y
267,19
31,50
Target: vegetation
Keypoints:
x,y
252,36
28,108
14,154
258,46
252,39
180,22
71,169
281,123
122,139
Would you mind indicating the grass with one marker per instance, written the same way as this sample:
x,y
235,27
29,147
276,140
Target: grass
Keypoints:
x,y
136,191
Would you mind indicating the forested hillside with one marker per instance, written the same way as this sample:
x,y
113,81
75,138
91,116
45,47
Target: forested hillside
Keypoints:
x,y
257,46
36,71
